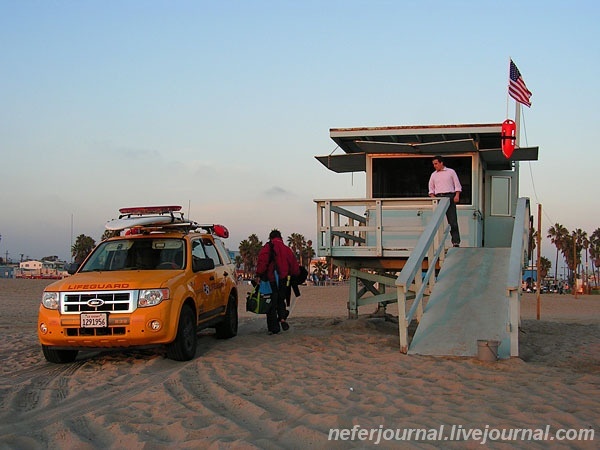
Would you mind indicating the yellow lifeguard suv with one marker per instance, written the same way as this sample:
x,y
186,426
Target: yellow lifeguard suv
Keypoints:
x,y
158,282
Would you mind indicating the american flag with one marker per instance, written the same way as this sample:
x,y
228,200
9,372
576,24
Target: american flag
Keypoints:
x,y
516,86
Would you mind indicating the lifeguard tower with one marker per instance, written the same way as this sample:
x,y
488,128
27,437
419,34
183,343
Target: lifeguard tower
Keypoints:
x,y
395,240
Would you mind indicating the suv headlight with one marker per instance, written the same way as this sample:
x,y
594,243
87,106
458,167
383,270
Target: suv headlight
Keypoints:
x,y
50,300
152,297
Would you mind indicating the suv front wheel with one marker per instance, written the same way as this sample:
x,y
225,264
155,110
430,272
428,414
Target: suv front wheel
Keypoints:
x,y
59,356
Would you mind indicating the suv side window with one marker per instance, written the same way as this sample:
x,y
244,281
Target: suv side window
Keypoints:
x,y
223,251
211,251
198,249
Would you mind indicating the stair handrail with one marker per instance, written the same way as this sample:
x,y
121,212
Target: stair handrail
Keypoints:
x,y
431,245
516,262
519,245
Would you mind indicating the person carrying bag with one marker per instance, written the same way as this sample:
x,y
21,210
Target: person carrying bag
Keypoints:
x,y
277,264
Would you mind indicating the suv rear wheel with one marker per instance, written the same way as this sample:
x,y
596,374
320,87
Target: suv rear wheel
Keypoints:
x,y
183,348
227,328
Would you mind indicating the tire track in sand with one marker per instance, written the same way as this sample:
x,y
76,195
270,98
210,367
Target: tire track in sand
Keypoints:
x,y
52,391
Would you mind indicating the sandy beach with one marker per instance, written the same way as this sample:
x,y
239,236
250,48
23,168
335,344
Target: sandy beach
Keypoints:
x,y
290,390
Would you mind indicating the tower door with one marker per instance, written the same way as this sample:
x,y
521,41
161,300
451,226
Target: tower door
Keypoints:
x,y
500,202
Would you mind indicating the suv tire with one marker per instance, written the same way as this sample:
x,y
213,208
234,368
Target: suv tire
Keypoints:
x,y
59,356
227,328
183,348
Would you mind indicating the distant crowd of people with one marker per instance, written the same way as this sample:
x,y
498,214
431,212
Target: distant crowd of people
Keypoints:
x,y
562,287
325,280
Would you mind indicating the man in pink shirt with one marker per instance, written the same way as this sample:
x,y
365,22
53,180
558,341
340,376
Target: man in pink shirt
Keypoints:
x,y
444,183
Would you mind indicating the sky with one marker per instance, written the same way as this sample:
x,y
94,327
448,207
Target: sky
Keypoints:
x,y
222,106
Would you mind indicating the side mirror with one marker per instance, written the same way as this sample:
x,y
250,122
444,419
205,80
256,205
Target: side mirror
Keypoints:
x,y
201,264
72,268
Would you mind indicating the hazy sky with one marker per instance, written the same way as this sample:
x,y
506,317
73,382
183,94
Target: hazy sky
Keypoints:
x,y
221,106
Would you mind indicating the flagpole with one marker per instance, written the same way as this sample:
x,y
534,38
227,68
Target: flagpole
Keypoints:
x,y
508,93
518,123
517,141
539,264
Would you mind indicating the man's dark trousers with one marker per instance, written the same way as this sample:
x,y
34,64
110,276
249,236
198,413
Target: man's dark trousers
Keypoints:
x,y
452,217
278,309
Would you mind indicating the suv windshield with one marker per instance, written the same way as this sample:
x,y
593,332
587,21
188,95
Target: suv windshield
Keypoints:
x,y
137,254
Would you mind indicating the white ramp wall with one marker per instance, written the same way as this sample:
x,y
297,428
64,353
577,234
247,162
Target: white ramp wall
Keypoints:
x,y
468,303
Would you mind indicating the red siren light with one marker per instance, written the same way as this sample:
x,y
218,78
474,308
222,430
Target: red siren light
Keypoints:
x,y
221,231
508,137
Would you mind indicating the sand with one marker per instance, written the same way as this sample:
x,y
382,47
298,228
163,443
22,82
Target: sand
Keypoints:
x,y
289,390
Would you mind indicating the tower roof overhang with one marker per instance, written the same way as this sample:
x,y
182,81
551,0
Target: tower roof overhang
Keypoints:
x,y
484,139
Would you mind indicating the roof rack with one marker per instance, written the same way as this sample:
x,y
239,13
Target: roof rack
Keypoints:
x,y
146,219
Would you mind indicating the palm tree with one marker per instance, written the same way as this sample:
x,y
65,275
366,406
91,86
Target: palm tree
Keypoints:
x,y
238,261
567,252
545,265
82,247
580,237
297,243
571,249
595,251
249,249
586,247
557,234
532,243
308,254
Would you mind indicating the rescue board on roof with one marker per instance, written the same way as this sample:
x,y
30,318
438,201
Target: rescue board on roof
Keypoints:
x,y
146,216
142,221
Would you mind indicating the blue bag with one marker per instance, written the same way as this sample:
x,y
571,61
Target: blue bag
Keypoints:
x,y
265,288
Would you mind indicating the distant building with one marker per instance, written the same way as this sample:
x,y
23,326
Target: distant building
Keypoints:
x,y
40,269
31,265
7,272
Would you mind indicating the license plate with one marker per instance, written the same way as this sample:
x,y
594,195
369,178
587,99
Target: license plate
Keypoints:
x,y
93,320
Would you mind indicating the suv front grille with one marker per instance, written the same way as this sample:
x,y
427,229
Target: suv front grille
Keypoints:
x,y
115,302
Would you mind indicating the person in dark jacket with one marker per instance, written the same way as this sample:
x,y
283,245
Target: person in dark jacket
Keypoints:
x,y
277,264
